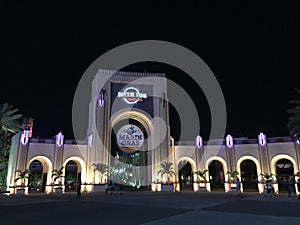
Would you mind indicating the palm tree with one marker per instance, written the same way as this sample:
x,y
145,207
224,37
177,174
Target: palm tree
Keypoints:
x,y
267,176
201,174
166,169
10,124
23,175
58,175
294,120
101,169
233,175
9,121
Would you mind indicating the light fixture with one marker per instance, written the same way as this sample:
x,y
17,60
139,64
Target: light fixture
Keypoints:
x,y
229,141
262,139
101,99
59,139
24,137
199,142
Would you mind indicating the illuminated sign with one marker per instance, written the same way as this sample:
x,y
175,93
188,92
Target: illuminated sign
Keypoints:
x,y
284,165
130,138
132,95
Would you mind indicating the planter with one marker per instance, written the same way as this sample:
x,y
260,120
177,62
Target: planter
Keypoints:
x,y
20,191
233,189
167,188
58,190
200,186
202,189
99,188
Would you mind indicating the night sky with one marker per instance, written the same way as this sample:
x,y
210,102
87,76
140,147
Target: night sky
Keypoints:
x,y
252,48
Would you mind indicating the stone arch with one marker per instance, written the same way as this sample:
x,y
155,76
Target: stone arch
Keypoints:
x,y
136,114
47,168
81,166
252,158
273,163
188,159
225,169
258,170
282,156
177,169
221,160
144,119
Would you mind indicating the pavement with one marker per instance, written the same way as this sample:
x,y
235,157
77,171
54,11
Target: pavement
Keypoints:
x,y
145,207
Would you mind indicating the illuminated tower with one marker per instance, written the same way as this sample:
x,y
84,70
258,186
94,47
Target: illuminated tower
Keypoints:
x,y
129,125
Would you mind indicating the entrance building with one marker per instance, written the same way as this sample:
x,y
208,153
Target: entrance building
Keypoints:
x,y
128,136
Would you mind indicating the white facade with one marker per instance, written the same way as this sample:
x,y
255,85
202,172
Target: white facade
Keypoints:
x,y
108,111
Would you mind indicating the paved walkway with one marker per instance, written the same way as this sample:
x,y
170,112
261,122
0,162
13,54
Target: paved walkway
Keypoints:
x,y
149,208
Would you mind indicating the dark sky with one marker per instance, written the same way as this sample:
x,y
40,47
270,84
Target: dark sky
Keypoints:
x,y
252,48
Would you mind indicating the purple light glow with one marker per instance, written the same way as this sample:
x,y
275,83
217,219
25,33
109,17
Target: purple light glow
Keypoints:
x,y
101,99
262,139
24,137
229,141
298,141
90,140
59,139
199,142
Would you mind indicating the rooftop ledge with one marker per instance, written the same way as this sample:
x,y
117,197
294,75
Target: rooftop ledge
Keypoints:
x,y
237,141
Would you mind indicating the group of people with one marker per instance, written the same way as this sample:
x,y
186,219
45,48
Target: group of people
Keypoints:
x,y
269,188
289,184
111,186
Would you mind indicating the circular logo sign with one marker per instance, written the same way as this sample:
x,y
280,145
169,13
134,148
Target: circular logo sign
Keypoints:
x,y
131,95
130,138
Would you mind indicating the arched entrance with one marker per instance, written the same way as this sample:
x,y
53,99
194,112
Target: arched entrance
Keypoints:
x,y
40,168
185,175
36,177
216,175
284,173
249,175
129,165
72,175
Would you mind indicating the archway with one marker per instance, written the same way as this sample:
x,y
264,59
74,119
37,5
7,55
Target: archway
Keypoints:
x,y
72,175
284,173
249,175
284,167
36,177
216,175
41,169
185,175
128,164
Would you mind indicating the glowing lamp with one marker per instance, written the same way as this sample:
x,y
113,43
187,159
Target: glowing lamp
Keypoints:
x,y
59,139
101,99
199,142
262,139
229,141
24,137
298,141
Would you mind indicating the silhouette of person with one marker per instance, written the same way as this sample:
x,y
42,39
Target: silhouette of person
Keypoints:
x,y
78,190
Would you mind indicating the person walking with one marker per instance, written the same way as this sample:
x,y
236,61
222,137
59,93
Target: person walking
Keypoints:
x,y
269,189
238,185
106,188
78,189
289,190
298,187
